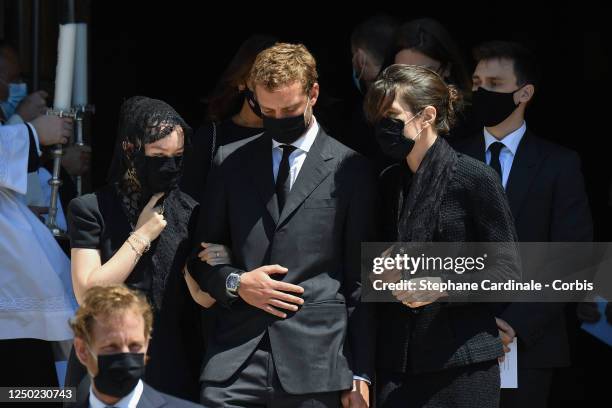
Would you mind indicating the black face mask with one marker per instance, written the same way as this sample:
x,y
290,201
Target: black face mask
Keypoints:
x,y
253,104
286,130
119,373
492,108
158,174
391,139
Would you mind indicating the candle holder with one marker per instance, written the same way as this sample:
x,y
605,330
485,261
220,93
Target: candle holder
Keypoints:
x,y
81,112
55,182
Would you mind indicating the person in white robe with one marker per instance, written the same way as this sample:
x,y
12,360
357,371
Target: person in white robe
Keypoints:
x,y
36,298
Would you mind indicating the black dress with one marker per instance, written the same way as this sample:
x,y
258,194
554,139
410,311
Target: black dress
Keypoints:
x,y
198,159
444,354
97,221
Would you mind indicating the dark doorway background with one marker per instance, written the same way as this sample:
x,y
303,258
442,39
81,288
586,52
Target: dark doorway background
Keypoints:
x,y
177,51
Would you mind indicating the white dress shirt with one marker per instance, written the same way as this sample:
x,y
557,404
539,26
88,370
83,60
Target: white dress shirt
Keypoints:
x,y
297,157
507,153
129,401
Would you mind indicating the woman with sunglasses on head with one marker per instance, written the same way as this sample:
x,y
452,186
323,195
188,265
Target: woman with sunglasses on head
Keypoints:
x,y
232,115
427,43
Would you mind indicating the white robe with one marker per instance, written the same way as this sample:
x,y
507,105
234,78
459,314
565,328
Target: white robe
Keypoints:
x,y
36,297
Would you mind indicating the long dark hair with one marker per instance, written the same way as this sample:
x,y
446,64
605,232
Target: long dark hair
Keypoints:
x,y
226,100
431,38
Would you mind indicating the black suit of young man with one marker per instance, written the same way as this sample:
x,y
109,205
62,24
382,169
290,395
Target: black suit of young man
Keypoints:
x,y
547,197
330,210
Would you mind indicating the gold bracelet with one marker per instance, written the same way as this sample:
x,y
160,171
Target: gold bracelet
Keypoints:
x,y
134,248
142,240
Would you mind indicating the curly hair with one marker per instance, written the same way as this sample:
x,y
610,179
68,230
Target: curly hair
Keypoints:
x,y
111,300
284,64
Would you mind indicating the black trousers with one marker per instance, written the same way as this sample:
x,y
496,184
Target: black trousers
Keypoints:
x,y
256,384
533,389
472,386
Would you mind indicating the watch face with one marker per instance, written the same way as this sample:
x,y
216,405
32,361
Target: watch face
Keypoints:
x,y
232,281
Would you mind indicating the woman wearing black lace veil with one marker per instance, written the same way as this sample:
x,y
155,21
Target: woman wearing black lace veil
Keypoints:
x,y
137,230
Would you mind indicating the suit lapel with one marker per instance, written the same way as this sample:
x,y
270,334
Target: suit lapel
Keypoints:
x,y
150,398
262,175
522,173
314,170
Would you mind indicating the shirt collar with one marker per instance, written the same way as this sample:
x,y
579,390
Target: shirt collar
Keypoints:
x,y
305,141
511,141
129,401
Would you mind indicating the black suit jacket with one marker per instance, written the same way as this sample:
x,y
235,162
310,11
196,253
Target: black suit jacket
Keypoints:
x,y
330,210
547,197
150,398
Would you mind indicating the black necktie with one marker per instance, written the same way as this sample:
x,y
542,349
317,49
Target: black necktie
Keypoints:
x,y
283,182
495,148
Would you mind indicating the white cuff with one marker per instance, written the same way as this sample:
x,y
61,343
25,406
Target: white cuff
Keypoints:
x,y
358,378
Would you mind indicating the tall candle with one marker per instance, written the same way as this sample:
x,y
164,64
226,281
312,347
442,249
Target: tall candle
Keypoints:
x,y
65,66
80,94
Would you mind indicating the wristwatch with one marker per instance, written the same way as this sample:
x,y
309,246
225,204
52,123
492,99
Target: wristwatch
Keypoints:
x,y
232,283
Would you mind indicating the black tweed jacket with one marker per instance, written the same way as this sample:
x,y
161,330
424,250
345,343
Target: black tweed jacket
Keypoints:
x,y
442,335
